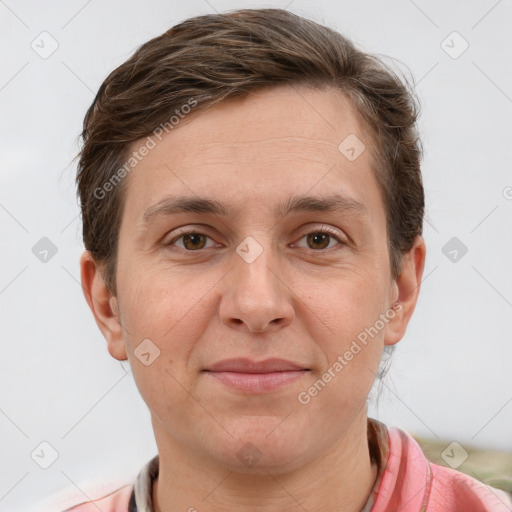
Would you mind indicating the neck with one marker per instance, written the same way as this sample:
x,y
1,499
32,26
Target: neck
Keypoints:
x,y
340,479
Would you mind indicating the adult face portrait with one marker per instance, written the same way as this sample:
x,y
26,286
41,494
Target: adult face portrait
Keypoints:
x,y
254,210
264,175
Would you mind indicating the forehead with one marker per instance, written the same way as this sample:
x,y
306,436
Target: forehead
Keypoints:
x,y
276,142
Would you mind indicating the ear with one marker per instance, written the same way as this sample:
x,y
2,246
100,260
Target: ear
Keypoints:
x,y
405,291
103,305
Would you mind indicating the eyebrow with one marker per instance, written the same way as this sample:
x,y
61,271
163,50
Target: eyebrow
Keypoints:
x,y
171,205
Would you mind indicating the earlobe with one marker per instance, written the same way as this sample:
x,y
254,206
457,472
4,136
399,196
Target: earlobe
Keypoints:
x,y
103,305
406,290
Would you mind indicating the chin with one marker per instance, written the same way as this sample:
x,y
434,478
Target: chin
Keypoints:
x,y
261,445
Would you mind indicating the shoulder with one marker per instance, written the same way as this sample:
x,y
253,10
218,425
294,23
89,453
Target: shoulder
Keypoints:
x,y
457,491
119,498
118,501
411,482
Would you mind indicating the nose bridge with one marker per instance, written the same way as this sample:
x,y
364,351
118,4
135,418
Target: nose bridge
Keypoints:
x,y
256,298
254,271
255,264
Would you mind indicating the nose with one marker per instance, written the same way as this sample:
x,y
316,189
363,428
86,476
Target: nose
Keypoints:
x,y
256,297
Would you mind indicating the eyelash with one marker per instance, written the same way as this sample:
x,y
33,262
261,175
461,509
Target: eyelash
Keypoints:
x,y
324,230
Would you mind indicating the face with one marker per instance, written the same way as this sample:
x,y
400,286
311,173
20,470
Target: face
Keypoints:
x,y
281,255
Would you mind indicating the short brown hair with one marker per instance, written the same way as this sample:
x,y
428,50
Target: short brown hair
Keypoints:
x,y
220,57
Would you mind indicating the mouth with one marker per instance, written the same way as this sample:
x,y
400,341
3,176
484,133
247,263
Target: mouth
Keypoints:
x,y
256,377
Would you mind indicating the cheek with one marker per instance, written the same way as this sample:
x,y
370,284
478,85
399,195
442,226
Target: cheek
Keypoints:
x,y
344,306
351,363
163,306
346,326
164,318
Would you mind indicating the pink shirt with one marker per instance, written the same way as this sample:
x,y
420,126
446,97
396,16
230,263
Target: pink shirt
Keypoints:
x,y
406,482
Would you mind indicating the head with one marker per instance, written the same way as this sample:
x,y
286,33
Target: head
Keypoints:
x,y
250,187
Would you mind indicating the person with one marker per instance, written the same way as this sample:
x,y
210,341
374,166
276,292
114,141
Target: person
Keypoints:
x,y
252,208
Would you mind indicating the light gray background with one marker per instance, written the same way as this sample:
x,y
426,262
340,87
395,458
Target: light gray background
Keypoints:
x,y
450,376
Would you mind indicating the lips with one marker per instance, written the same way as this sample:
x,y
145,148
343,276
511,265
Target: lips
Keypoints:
x,y
242,365
256,377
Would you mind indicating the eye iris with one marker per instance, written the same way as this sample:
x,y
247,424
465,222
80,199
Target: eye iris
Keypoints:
x,y
319,238
197,240
194,238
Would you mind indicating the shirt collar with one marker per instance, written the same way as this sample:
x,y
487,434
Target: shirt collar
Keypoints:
x,y
141,499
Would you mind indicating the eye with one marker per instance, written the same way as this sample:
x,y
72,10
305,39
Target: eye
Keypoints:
x,y
191,241
321,239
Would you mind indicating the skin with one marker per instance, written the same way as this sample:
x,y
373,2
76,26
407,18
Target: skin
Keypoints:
x,y
299,300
